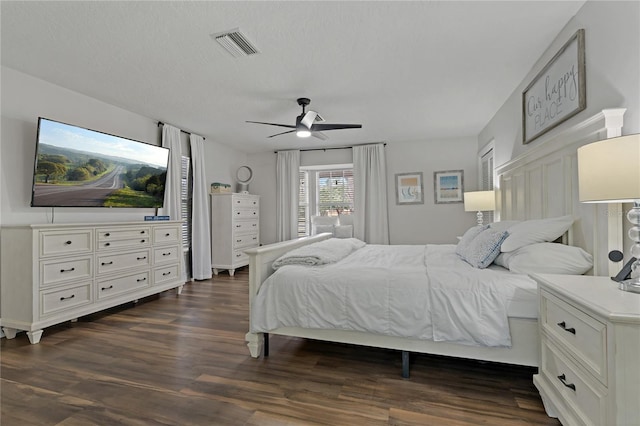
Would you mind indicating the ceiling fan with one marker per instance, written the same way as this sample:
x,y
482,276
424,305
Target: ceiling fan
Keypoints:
x,y
309,123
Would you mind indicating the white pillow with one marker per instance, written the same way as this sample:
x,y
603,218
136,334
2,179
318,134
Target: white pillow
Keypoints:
x,y
468,236
547,258
343,231
484,248
536,231
503,225
319,229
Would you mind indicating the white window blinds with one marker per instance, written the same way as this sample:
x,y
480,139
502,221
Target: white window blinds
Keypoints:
x,y
486,179
325,192
303,205
335,192
185,202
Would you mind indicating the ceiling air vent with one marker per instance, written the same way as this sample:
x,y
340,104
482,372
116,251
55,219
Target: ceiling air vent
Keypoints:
x,y
235,43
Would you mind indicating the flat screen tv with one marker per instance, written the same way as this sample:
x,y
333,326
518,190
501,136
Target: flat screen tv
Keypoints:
x,y
78,167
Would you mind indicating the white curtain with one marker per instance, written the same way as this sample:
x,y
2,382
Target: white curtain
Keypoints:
x,y
200,230
287,192
371,223
172,202
171,140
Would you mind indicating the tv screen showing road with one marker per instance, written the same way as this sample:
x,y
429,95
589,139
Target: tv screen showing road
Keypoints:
x,y
77,167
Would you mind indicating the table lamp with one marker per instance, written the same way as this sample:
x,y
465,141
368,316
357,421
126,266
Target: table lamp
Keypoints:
x,y
609,172
479,201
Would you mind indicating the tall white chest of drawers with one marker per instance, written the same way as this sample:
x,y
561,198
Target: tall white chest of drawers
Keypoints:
x,y
55,273
589,351
235,227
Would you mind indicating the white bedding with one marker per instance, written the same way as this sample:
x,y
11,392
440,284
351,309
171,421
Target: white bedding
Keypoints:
x,y
423,292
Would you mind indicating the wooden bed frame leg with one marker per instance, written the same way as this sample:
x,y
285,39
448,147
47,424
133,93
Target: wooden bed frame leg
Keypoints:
x,y
254,343
266,344
405,364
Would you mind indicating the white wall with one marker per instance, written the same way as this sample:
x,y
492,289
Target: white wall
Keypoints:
x,y
25,98
413,224
612,52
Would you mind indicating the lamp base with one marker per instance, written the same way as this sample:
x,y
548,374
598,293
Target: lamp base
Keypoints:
x,y
632,285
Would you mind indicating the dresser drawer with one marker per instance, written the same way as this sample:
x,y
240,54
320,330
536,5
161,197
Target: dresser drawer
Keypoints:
x,y
243,226
58,271
166,235
107,263
240,256
165,274
247,240
245,202
57,300
582,334
166,255
111,234
75,241
142,241
245,213
584,397
113,287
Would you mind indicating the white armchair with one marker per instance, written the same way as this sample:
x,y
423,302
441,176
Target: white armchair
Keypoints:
x,y
340,226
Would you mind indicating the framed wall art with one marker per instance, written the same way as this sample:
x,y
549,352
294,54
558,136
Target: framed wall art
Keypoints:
x,y
448,186
557,93
409,188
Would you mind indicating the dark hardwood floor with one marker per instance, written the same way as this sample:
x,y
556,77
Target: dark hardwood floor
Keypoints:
x,y
182,360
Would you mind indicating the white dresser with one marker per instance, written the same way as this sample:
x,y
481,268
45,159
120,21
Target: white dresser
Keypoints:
x,y
58,272
235,227
590,351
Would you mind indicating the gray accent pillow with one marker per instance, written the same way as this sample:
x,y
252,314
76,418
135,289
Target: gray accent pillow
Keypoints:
x,y
484,248
468,236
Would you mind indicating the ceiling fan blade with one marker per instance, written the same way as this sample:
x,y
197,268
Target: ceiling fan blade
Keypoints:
x,y
326,126
308,119
283,133
273,124
319,135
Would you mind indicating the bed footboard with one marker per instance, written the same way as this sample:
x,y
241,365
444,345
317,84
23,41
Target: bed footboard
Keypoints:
x,y
260,261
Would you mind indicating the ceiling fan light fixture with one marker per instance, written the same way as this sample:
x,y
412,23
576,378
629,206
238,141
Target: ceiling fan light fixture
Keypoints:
x,y
303,133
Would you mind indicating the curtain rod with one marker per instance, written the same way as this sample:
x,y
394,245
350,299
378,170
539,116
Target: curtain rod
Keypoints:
x,y
160,123
327,149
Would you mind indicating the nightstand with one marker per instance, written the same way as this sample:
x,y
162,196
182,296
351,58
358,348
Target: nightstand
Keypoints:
x,y
589,369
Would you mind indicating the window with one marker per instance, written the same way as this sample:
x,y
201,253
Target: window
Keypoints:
x,y
334,192
324,191
303,205
485,158
185,202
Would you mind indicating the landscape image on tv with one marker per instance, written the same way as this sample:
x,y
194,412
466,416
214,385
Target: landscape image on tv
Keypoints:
x,y
77,167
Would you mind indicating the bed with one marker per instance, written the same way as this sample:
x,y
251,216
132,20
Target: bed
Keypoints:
x,y
539,185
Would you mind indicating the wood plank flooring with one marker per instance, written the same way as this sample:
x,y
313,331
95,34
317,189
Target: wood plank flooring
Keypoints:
x,y
182,360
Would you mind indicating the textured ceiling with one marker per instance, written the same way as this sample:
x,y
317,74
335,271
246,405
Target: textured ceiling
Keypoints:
x,y
407,71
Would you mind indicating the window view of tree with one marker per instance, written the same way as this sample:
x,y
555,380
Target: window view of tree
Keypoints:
x,y
335,192
324,192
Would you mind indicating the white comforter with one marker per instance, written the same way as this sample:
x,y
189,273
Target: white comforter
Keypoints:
x,y
423,292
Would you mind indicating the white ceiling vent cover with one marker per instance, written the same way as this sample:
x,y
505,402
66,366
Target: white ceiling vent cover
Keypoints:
x,y
235,43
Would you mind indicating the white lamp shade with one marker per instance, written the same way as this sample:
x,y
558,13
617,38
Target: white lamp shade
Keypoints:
x,y
479,201
609,170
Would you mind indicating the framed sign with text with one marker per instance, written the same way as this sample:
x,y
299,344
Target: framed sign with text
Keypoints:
x,y
557,93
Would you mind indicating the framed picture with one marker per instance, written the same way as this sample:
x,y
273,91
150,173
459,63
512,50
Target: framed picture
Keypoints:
x,y
448,186
409,188
557,93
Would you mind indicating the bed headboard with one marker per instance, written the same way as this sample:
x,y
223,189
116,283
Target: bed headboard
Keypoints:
x,y
543,182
